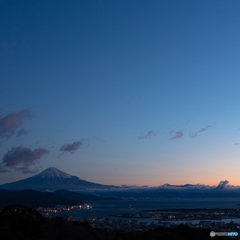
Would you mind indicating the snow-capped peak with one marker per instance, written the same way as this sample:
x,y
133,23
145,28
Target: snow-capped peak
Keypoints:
x,y
53,173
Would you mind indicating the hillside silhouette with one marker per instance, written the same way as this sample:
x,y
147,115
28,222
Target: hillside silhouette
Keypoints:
x,y
34,199
23,223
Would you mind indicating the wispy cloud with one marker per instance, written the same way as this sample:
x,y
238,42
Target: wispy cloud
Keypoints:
x,y
11,122
201,130
21,132
192,135
184,123
21,158
178,134
148,135
131,99
71,147
205,128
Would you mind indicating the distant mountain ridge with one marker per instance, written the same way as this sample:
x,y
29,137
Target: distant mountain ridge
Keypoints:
x,y
82,197
35,199
185,185
53,179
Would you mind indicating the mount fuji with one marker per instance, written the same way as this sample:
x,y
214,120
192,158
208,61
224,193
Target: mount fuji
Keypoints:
x,y
54,179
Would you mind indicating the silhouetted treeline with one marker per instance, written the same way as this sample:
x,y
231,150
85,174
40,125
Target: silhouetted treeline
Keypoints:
x,y
23,223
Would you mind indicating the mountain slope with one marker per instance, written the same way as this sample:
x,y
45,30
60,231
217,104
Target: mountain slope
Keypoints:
x,y
53,179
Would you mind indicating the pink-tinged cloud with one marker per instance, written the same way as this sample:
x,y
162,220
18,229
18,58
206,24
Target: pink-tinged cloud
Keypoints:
x,y
71,147
11,122
21,132
178,134
21,158
148,135
201,130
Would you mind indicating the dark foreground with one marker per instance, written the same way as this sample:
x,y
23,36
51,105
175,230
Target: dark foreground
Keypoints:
x,y
20,222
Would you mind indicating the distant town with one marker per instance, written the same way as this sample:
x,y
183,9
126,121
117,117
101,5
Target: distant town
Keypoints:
x,y
62,208
152,219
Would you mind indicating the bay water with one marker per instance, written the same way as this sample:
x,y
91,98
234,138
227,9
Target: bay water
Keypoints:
x,y
106,209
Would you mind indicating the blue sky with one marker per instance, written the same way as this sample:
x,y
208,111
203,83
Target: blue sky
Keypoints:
x,y
142,92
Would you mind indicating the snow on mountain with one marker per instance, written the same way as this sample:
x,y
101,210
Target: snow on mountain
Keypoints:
x,y
52,172
53,179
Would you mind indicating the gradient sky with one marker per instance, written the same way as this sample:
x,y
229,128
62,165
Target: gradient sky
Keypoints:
x,y
121,92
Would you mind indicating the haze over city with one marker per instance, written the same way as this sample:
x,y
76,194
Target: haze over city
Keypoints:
x,y
120,92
